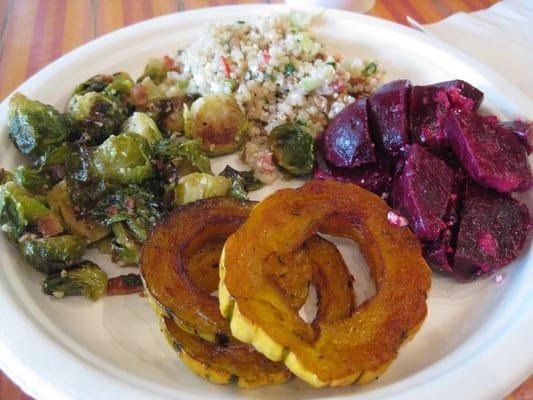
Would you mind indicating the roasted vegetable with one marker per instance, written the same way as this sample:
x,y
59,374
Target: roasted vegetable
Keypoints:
x,y
124,246
19,210
217,120
6,176
86,279
34,127
95,116
242,182
124,159
156,69
141,124
125,284
119,84
33,181
53,254
137,208
59,201
356,347
185,157
293,149
54,160
198,186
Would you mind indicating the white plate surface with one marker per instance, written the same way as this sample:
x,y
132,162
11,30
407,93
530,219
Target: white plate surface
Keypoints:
x,y
475,343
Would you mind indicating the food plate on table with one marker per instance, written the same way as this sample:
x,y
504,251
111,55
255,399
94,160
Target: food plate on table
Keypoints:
x,y
473,343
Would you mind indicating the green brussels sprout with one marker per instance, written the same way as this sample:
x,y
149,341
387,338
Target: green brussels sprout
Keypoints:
x,y
218,121
59,201
197,186
168,113
19,210
145,92
118,84
141,124
156,69
95,116
124,246
53,160
242,182
293,149
32,180
134,206
52,254
184,157
124,159
86,186
35,127
86,279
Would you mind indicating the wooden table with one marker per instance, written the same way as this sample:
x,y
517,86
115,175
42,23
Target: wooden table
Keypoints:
x,y
33,33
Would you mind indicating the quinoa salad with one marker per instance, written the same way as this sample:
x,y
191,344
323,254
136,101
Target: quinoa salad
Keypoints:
x,y
278,72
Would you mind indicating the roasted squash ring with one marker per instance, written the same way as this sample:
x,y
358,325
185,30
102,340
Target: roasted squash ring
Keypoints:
x,y
356,348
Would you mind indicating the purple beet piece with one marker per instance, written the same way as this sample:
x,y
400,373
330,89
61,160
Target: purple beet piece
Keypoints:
x,y
439,252
522,130
421,192
347,140
493,229
429,105
491,155
375,177
388,110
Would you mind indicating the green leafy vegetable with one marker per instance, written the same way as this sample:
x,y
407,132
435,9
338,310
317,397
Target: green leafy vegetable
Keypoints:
x,y
242,182
293,149
32,180
141,124
124,245
197,186
186,157
86,279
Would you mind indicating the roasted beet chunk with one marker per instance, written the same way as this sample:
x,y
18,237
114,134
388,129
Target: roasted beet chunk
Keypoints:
x,y
491,155
347,140
429,105
493,230
388,109
522,130
421,192
439,253
375,177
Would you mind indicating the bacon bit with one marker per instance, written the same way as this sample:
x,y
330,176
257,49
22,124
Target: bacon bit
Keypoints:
x,y
49,225
129,202
112,210
227,66
139,95
168,62
124,284
337,86
265,163
266,56
396,220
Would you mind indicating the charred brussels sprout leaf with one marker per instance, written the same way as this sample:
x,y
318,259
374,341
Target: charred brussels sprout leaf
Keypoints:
x,y
218,121
197,186
6,176
54,160
124,246
95,116
32,180
34,127
141,124
124,159
118,84
242,182
86,279
53,254
156,69
20,210
185,157
293,149
137,208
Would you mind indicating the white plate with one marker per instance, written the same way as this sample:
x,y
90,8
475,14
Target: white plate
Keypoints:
x,y
474,344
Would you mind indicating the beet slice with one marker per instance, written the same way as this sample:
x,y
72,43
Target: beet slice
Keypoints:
x,y
439,253
388,110
375,177
522,130
491,155
493,229
421,192
429,105
347,140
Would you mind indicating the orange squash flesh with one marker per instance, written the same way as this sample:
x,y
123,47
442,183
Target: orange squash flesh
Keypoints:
x,y
352,348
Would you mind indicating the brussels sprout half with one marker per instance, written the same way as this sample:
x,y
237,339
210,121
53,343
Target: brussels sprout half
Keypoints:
x,y
293,149
141,124
197,186
34,127
218,121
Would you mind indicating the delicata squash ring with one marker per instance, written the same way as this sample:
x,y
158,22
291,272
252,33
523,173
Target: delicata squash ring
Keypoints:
x,y
356,348
178,262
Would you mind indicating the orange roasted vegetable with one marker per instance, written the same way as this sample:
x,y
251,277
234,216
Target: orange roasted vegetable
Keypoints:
x,y
356,347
